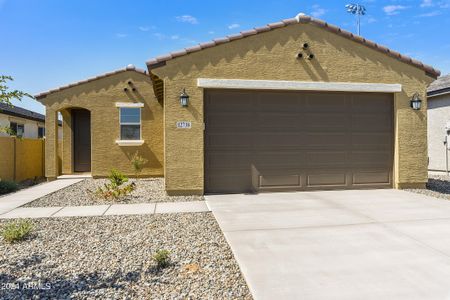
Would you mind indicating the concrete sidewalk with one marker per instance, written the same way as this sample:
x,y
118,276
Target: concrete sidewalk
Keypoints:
x,y
106,210
366,244
22,197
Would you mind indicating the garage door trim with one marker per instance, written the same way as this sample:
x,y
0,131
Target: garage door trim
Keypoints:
x,y
319,86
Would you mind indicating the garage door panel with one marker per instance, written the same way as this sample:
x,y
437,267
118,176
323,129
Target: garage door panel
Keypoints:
x,y
372,177
331,140
280,102
270,141
371,123
325,121
232,141
327,158
279,159
283,180
337,179
323,103
279,140
225,160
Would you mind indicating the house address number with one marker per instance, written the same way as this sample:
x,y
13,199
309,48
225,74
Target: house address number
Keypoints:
x,y
184,124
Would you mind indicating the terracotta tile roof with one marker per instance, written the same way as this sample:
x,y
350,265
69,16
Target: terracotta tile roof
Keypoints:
x,y
127,68
439,86
304,19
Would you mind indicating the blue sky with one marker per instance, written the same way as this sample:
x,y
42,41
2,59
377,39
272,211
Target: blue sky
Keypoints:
x,y
48,43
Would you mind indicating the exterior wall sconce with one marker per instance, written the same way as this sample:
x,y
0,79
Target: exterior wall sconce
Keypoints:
x,y
184,98
416,103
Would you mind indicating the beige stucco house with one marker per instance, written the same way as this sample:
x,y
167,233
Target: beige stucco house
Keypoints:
x,y
294,105
439,124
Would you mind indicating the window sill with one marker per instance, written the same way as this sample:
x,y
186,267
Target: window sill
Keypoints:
x,y
129,142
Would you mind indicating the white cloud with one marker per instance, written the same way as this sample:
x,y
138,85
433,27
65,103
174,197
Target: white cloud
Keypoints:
x,y
426,3
159,35
121,35
371,20
391,10
211,32
317,11
187,19
234,26
144,28
430,14
174,37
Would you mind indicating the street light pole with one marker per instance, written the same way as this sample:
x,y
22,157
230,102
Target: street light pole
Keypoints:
x,y
358,10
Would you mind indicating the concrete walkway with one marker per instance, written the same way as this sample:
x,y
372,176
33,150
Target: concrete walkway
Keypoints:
x,y
372,244
22,197
106,210
10,205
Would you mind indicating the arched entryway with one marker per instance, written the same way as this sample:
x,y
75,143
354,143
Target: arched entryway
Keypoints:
x,y
81,125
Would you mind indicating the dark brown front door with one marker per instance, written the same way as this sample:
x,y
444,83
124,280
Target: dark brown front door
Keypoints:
x,y
81,122
269,141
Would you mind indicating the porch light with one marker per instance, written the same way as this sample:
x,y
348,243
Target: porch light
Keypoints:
x,y
184,98
416,103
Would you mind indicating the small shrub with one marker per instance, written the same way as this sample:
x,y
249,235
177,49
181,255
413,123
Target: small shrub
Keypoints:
x,y
117,178
162,258
114,189
14,232
8,187
138,163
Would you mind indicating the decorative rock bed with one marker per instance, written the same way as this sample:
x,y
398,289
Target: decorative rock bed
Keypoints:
x,y
82,193
437,186
111,257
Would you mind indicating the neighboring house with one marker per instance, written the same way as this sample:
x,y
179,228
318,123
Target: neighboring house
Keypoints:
x,y
438,123
295,105
23,122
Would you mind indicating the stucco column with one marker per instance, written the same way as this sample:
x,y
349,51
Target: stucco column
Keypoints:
x,y
51,144
67,165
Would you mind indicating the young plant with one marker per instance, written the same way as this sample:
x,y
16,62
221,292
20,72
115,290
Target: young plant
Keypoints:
x,y
115,188
117,178
138,163
17,231
162,258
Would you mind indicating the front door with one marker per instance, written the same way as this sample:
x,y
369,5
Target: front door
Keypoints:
x,y
81,121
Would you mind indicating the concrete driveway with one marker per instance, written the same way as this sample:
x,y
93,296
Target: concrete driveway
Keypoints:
x,y
371,244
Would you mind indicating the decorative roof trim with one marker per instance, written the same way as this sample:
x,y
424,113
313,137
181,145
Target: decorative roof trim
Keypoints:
x,y
127,68
303,19
214,83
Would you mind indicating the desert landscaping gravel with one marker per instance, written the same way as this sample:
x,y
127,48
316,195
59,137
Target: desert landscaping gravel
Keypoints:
x,y
111,258
82,193
437,186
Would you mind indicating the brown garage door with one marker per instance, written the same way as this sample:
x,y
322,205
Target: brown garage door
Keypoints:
x,y
266,141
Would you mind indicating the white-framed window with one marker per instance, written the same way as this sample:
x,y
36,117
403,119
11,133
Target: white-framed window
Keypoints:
x,y
17,129
130,123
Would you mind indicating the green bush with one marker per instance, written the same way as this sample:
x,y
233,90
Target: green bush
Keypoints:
x,y
162,258
117,178
114,189
8,187
16,231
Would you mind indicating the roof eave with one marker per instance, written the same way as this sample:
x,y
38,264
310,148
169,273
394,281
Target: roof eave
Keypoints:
x,y
303,19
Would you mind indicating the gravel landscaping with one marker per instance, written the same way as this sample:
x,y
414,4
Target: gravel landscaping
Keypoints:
x,y
82,193
111,257
437,186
